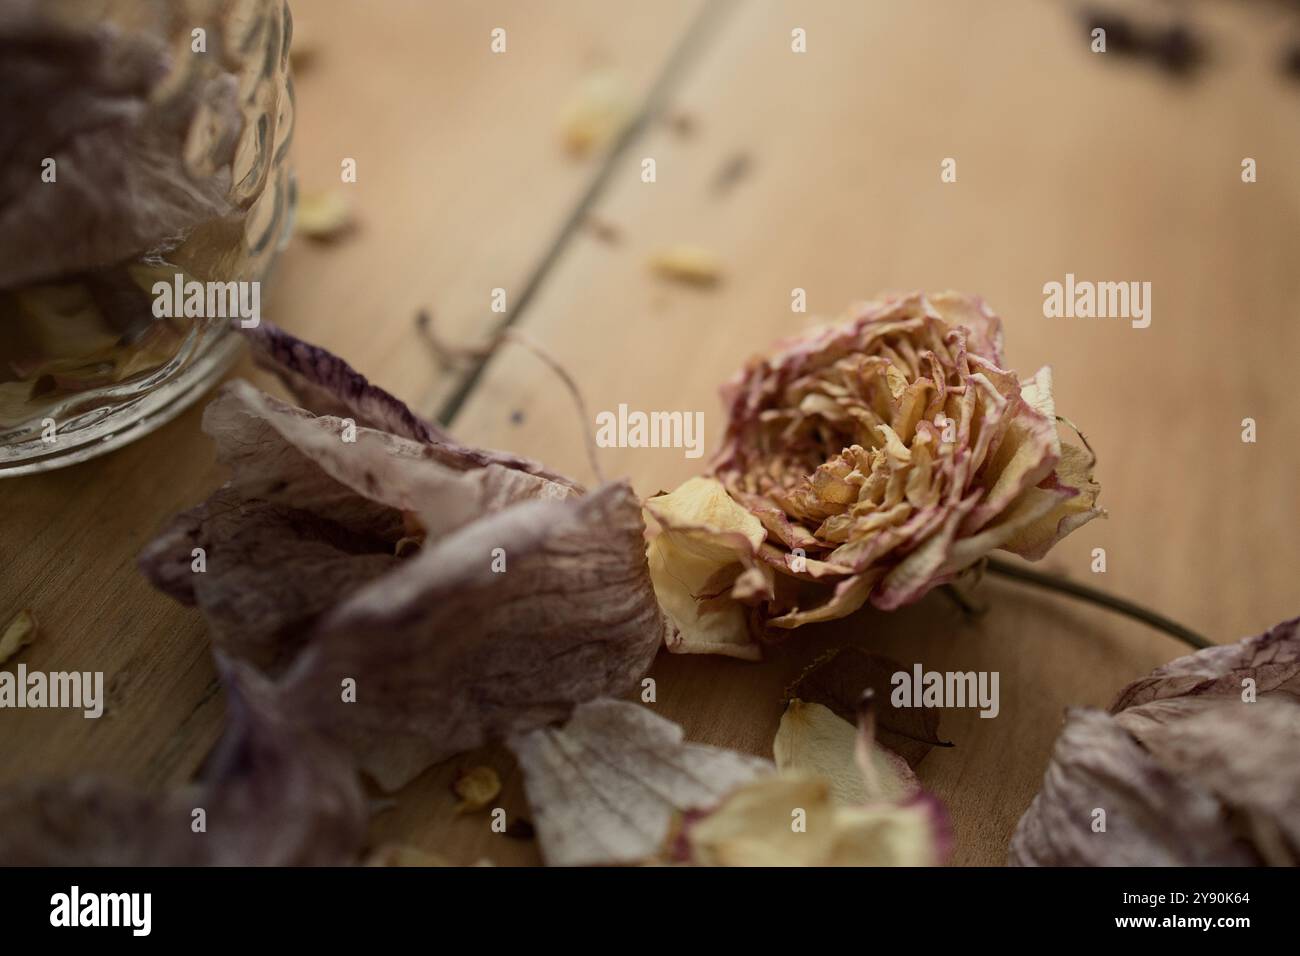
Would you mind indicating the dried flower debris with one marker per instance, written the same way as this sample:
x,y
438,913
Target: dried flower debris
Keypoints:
x,y
599,110
324,216
1193,765
866,462
840,800
523,597
618,784
18,633
476,787
689,264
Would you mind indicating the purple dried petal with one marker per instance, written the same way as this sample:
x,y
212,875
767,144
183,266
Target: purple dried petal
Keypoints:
x,y
1152,817
447,653
273,794
325,384
307,519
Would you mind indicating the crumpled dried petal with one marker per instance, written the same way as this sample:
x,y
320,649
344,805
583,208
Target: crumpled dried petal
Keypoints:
x,y
323,383
705,536
447,653
1192,766
882,458
812,739
420,596
274,794
308,518
607,785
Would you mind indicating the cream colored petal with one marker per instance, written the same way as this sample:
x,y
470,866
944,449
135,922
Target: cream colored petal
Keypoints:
x,y
849,595
704,533
1028,452
813,739
792,820
1073,477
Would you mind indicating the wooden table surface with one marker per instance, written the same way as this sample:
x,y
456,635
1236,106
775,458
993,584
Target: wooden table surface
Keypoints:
x,y
817,171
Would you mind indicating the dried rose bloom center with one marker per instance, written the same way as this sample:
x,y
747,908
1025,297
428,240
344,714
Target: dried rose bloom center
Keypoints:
x,y
866,440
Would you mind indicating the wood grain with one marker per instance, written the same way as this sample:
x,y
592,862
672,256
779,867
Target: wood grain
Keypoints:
x,y
817,171
1067,162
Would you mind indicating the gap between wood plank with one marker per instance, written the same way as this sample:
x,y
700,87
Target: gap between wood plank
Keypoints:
x,y
697,33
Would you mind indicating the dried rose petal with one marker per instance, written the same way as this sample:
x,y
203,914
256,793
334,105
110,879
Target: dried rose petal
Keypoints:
x,y
273,795
448,653
606,786
753,827
515,595
1194,765
841,800
881,458
323,383
308,518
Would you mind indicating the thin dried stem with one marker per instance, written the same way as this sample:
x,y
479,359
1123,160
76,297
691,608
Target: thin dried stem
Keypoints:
x,y
1084,593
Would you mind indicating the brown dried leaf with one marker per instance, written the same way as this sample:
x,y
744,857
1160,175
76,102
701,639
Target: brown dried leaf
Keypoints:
x,y
606,786
839,679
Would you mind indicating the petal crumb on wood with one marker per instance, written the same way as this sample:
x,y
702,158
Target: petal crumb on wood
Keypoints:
x,y
607,786
599,110
324,216
18,633
693,265
477,787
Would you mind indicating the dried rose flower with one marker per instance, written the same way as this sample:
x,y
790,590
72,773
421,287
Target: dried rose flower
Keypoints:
x,y
869,461
1194,765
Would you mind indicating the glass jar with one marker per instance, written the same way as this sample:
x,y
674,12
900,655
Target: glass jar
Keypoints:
x,y
143,144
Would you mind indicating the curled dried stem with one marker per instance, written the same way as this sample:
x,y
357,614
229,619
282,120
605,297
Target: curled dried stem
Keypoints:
x,y
452,356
